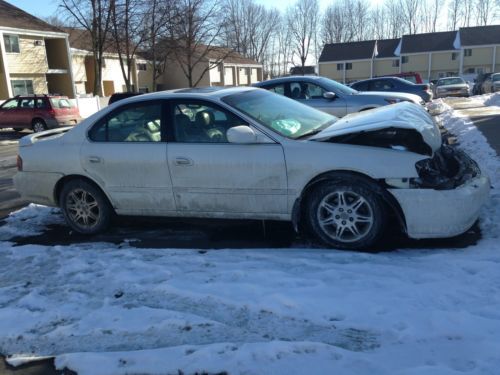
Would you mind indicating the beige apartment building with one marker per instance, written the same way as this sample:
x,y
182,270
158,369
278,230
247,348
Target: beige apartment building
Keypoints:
x,y
220,67
82,60
467,52
34,56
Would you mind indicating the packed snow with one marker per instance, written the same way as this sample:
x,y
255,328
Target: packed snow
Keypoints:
x,y
101,308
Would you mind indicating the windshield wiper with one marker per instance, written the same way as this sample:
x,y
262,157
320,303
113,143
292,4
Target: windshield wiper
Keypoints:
x,y
308,134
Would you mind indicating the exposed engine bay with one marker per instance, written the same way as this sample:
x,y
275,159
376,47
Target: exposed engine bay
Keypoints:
x,y
394,138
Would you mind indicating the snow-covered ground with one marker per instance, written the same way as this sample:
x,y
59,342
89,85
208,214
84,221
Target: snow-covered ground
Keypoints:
x,y
113,309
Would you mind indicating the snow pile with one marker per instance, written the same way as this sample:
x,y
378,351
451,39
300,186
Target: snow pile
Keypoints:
x,y
113,309
493,100
437,106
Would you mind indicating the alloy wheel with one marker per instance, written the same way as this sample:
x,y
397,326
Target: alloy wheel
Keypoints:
x,y
345,216
38,126
82,208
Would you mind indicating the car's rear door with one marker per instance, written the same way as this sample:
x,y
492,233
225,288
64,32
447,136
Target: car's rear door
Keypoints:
x,y
127,154
212,177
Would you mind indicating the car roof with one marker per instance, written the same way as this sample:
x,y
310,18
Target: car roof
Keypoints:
x,y
193,93
289,79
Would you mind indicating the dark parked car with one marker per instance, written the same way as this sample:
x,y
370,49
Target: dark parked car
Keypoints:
x,y
478,83
122,95
412,77
394,84
38,112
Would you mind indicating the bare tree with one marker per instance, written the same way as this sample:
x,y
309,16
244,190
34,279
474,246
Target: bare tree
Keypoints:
x,y
128,20
249,27
429,15
378,23
158,23
302,21
486,10
195,32
454,9
410,11
95,17
395,19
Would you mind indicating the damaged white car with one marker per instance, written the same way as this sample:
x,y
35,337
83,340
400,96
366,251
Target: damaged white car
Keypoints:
x,y
245,153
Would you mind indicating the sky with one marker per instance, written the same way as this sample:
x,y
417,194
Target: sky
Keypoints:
x,y
44,8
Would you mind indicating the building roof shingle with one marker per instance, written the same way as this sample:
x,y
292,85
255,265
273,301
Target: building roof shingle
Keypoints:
x,y
386,47
348,51
480,35
428,42
11,16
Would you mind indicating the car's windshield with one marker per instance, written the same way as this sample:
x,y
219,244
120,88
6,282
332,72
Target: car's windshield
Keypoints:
x,y
450,81
495,77
334,86
281,114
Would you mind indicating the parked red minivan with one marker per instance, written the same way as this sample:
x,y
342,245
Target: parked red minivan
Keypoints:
x,y
38,112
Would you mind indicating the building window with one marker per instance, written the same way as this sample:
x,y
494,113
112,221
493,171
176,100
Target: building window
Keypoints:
x,y
467,52
22,86
454,55
395,63
348,66
142,66
405,59
470,71
340,66
11,43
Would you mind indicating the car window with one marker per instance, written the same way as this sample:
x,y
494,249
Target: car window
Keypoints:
x,y
360,86
61,103
41,103
140,122
450,81
27,103
305,91
10,104
381,85
202,122
495,78
278,89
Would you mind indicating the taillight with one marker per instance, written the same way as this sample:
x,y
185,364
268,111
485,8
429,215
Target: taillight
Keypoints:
x,y
52,112
426,88
19,163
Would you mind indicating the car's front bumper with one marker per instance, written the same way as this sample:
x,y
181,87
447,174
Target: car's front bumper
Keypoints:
x,y
433,213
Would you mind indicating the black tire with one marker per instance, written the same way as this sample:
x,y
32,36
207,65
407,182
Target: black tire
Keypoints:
x,y
332,225
38,125
80,199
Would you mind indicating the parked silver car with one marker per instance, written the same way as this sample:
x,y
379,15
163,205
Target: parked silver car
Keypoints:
x,y
245,153
491,84
332,97
452,86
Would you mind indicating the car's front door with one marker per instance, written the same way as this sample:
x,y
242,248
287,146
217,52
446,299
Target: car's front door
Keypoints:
x,y
215,178
8,112
312,95
126,154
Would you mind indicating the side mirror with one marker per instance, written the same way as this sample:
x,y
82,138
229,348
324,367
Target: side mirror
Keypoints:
x,y
329,95
241,134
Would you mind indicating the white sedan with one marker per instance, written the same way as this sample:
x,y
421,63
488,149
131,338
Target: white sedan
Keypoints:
x,y
246,153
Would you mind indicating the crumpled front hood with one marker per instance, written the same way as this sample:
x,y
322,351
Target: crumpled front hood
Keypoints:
x,y
394,95
403,115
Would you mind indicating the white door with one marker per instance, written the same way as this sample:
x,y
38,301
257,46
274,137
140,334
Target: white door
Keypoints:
x,y
126,155
212,177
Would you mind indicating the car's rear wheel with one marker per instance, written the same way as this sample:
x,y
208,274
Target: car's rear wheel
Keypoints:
x,y
38,125
85,207
346,214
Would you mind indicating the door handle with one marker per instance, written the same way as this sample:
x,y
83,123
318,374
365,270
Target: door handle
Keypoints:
x,y
95,159
183,161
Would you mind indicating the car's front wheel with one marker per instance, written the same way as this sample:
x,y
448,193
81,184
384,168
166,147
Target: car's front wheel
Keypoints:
x,y
85,207
346,214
